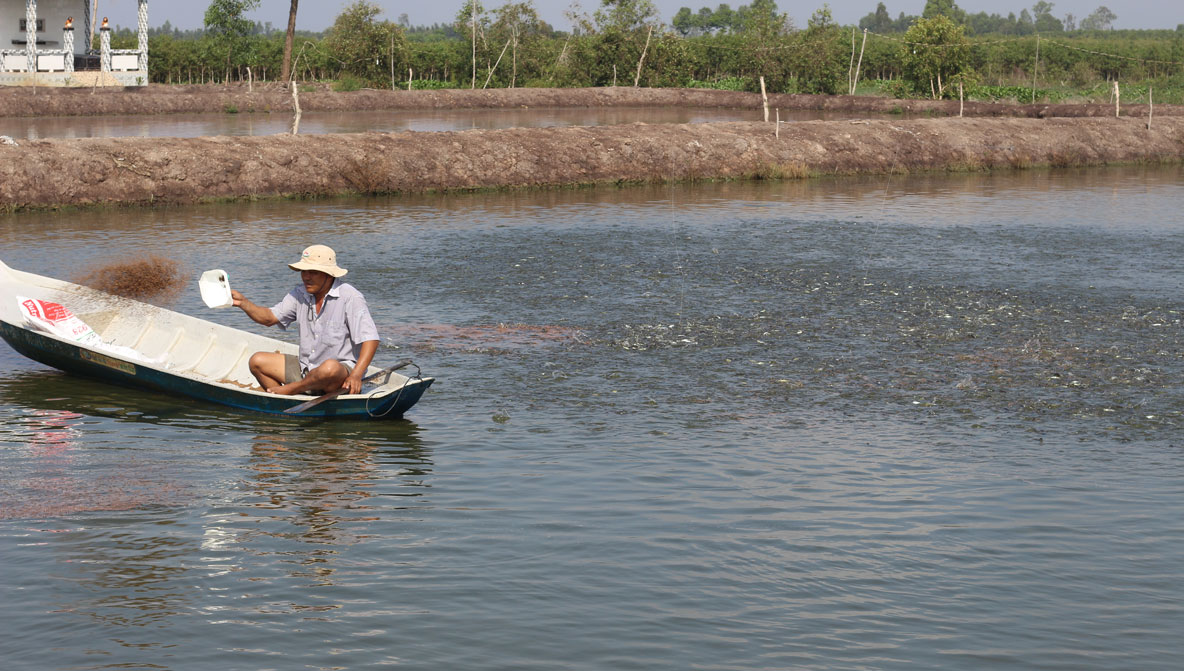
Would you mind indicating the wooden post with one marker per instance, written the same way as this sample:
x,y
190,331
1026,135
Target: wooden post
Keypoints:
x,y
1115,98
410,76
295,108
250,81
765,98
1150,106
959,100
637,77
778,133
614,75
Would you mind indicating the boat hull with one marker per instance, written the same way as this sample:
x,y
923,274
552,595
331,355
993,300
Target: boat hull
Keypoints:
x,y
75,359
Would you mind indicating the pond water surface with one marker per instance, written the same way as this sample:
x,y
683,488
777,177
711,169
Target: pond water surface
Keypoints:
x,y
262,123
882,423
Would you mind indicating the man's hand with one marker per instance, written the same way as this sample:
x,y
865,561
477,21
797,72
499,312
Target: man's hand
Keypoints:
x,y
236,298
353,383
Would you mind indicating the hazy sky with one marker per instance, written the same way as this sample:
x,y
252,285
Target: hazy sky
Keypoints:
x,y
319,14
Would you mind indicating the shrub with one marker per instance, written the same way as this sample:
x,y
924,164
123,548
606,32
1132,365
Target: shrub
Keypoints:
x,y
723,84
348,82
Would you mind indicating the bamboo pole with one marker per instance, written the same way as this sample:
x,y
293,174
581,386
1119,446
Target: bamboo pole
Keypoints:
x,y
474,28
499,60
778,133
410,76
959,100
558,60
851,63
1116,99
765,98
1035,69
859,63
637,77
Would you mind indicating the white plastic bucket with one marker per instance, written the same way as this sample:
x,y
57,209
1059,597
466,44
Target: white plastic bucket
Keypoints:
x,y
215,289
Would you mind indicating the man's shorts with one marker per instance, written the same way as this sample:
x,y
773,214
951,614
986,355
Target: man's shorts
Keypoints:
x,y
293,372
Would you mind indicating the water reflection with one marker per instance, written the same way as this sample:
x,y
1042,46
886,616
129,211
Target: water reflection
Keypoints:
x,y
48,476
310,495
141,579
319,482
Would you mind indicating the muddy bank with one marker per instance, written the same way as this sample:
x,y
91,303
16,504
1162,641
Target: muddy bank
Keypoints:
x,y
124,171
272,98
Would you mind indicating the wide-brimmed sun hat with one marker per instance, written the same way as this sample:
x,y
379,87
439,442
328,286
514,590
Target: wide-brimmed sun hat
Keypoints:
x,y
319,257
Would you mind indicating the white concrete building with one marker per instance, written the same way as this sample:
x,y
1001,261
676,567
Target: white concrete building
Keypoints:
x,y
63,43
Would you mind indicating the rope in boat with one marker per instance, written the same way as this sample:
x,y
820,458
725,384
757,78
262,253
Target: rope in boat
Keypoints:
x,y
395,403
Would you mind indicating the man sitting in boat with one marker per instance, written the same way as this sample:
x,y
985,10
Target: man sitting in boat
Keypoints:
x,y
338,338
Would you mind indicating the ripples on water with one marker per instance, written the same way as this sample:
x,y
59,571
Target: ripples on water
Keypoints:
x,y
876,424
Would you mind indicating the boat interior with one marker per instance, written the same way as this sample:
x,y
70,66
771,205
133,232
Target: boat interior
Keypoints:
x,y
184,345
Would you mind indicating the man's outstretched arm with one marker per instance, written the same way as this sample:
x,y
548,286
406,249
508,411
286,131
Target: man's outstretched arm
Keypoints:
x,y
257,313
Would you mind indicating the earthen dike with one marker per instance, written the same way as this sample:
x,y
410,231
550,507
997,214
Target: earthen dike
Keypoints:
x,y
142,171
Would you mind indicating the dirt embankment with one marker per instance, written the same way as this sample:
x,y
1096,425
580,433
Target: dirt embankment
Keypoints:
x,y
49,173
273,98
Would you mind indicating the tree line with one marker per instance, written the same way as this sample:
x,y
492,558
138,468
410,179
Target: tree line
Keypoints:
x,y
623,42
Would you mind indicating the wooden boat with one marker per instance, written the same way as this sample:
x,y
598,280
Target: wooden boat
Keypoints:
x,y
149,347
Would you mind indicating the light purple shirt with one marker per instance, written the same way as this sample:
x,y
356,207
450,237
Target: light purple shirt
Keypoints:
x,y
336,333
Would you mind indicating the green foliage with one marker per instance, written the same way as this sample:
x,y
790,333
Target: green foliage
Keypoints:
x,y
228,17
366,48
947,8
669,62
230,30
707,21
896,88
1044,21
878,21
936,52
764,43
348,82
821,57
625,15
1018,94
431,85
517,26
1101,19
725,84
